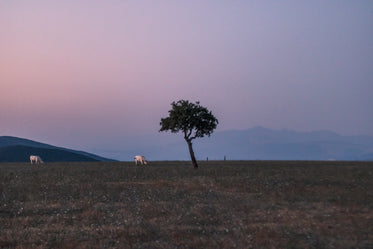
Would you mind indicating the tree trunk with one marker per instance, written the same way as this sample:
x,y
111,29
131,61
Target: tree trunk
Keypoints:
x,y
191,152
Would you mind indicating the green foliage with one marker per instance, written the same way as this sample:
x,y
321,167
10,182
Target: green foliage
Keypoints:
x,y
192,119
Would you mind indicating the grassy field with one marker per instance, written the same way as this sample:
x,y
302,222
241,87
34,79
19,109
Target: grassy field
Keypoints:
x,y
233,204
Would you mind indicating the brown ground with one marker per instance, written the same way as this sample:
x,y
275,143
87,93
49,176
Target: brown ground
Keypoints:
x,y
233,204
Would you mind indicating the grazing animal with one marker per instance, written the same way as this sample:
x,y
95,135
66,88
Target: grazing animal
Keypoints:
x,y
140,159
36,160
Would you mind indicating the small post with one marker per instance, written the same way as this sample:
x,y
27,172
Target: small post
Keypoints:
x,y
224,158
207,159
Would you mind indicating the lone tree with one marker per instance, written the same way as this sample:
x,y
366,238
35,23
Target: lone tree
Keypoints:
x,y
193,120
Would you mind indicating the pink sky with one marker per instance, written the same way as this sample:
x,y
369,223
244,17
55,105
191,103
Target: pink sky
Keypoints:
x,y
83,73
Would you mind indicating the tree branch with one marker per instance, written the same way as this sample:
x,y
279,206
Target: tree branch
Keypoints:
x,y
190,132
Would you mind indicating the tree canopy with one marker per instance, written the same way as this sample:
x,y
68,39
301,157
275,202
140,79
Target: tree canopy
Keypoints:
x,y
192,119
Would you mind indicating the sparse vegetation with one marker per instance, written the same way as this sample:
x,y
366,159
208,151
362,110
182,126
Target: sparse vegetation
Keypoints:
x,y
233,204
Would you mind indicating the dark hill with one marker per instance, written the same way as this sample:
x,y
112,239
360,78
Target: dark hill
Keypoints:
x,y
6,141
14,149
20,153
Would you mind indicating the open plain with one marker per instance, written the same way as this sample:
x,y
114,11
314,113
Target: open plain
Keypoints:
x,y
223,204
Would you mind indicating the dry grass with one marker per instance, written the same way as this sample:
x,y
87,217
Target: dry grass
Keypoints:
x,y
239,204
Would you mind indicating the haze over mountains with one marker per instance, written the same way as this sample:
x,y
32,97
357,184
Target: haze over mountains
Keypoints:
x,y
256,143
265,144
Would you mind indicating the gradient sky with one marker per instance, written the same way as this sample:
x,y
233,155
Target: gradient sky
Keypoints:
x,y
86,74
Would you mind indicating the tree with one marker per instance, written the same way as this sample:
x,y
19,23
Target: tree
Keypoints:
x,y
192,119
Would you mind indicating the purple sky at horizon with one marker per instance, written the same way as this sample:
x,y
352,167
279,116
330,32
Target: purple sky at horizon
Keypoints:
x,y
85,74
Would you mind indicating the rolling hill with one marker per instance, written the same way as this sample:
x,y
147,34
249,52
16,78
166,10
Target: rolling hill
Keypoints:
x,y
14,149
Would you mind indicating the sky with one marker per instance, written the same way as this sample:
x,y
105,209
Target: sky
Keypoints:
x,y
87,74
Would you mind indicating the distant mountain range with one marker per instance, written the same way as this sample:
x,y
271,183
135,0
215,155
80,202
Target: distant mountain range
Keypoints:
x,y
266,144
256,143
13,149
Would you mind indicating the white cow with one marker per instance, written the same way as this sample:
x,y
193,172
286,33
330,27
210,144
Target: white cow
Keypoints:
x,y
140,159
35,159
